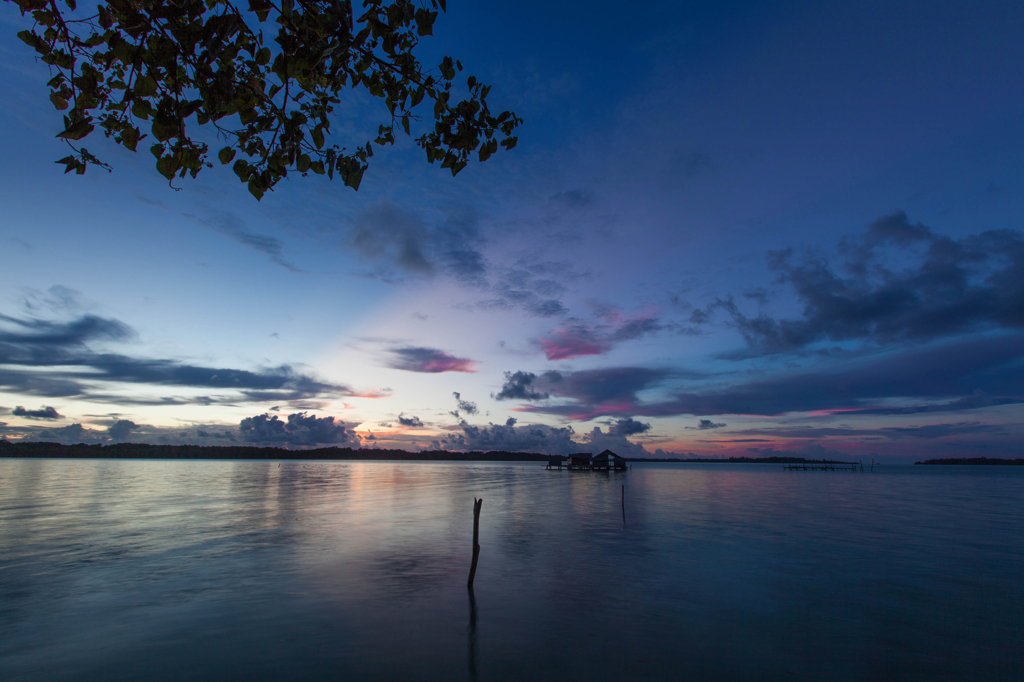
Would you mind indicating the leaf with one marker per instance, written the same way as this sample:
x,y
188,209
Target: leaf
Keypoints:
x,y
167,166
70,163
145,86
59,102
130,137
255,189
32,40
164,132
318,137
302,163
77,130
225,155
142,109
242,169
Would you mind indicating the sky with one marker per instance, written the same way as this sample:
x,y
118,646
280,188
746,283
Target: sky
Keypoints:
x,y
728,229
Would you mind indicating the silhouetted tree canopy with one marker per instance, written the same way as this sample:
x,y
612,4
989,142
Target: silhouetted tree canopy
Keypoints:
x,y
164,66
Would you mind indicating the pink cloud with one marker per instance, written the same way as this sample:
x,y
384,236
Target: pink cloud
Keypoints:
x,y
573,343
580,339
430,360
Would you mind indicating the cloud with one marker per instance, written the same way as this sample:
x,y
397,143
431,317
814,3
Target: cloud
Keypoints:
x,y
574,198
582,339
573,342
57,299
72,368
596,392
44,412
465,405
394,237
628,427
949,371
429,360
974,373
47,336
598,441
706,424
68,435
532,285
519,386
299,429
814,451
972,402
900,281
926,432
121,429
234,227
409,421
521,299
511,438
536,438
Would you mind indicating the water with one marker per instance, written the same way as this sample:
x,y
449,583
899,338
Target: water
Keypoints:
x,y
213,570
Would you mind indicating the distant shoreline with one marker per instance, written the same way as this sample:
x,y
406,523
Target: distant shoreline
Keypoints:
x,y
975,461
147,451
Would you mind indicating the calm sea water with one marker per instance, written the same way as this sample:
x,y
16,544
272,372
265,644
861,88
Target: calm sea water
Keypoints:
x,y
170,570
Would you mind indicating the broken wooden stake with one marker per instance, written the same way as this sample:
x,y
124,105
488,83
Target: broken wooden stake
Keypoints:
x,y
476,539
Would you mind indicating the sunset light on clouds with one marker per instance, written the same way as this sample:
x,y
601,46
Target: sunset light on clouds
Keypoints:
x,y
685,255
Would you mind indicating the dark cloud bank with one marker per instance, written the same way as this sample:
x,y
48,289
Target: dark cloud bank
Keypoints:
x,y
300,429
978,372
537,438
926,324
897,282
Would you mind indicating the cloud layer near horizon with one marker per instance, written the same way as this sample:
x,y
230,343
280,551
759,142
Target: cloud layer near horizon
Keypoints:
x,y
49,358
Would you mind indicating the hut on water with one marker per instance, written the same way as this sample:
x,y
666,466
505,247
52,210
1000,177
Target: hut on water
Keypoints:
x,y
579,460
608,460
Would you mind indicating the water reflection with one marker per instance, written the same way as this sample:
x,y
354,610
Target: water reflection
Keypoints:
x,y
472,636
213,570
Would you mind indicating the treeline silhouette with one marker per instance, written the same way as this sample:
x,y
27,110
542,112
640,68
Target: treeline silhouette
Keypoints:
x,y
148,451
974,460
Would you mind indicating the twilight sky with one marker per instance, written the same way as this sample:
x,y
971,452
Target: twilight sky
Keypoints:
x,y
728,229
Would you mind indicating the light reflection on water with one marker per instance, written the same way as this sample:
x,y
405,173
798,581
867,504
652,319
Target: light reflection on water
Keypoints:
x,y
173,570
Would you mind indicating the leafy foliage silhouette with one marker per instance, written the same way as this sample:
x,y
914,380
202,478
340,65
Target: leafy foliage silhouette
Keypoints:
x,y
170,64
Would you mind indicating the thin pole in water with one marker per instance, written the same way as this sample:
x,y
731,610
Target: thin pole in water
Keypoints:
x,y
476,539
623,504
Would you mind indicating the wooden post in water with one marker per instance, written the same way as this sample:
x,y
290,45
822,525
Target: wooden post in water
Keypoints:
x,y
623,504
476,539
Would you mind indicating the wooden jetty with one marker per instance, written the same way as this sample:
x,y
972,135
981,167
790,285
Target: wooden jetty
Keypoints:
x,y
584,461
823,466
